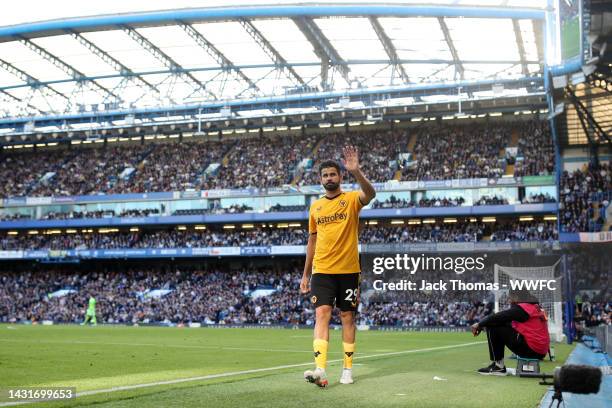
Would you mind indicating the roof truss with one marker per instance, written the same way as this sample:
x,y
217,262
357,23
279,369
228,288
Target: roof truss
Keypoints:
x,y
451,46
389,48
323,49
271,52
217,55
114,63
28,79
166,60
68,69
520,46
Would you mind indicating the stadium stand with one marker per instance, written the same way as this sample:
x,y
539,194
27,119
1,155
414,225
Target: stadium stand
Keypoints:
x,y
447,152
172,167
394,202
538,199
463,231
20,172
90,171
584,195
486,200
233,209
535,149
211,295
441,152
261,162
377,149
283,208
216,295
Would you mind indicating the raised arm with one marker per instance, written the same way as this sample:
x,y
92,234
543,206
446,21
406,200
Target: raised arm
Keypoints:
x,y
351,163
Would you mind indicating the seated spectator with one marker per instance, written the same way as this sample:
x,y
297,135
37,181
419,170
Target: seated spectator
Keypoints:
x,y
576,206
462,231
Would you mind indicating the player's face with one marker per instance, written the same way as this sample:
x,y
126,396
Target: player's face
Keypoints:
x,y
330,178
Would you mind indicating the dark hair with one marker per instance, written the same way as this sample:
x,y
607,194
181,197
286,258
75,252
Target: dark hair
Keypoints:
x,y
329,163
522,296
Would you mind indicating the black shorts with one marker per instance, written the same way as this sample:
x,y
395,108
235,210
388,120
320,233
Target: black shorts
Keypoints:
x,y
340,290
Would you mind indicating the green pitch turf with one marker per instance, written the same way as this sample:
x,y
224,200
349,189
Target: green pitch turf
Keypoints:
x,y
393,369
570,39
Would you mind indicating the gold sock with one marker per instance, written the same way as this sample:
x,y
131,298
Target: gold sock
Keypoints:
x,y
349,350
320,353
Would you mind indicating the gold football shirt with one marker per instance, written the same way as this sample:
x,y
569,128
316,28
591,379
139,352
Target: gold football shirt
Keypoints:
x,y
336,223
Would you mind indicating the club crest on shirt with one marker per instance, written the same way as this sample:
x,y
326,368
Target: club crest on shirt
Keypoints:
x,y
313,299
342,203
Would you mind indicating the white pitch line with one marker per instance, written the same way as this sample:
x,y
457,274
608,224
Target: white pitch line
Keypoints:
x,y
252,371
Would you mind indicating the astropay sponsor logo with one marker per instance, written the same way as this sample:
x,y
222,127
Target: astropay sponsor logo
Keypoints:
x,y
331,218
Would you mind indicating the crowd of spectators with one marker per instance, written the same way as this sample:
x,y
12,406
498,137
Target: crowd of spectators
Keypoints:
x,y
394,202
441,151
591,268
535,146
461,231
232,209
15,217
91,170
267,161
205,295
284,208
376,150
214,294
578,211
259,236
19,172
409,314
74,215
495,200
538,199
458,232
172,167
147,212
526,231
220,292
444,152
596,313
590,313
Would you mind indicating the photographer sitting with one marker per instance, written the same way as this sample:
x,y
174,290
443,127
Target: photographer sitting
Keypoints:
x,y
522,328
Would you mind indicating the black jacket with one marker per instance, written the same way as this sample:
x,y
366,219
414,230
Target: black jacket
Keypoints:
x,y
503,318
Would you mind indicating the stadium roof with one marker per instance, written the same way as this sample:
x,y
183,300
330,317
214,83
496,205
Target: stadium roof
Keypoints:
x,y
226,53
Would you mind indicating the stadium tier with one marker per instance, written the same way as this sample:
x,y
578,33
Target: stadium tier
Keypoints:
x,y
432,152
257,235
584,198
397,156
221,293
210,296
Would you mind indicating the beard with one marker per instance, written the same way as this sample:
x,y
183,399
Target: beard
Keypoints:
x,y
330,186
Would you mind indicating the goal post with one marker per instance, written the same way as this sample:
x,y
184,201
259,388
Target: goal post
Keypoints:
x,y
550,301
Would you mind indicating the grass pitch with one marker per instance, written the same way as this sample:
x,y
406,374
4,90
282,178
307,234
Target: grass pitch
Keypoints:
x,y
255,368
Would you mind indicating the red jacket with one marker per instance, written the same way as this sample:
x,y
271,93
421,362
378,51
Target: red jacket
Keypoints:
x,y
535,329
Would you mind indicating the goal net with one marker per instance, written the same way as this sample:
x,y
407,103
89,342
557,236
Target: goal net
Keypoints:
x,y
549,300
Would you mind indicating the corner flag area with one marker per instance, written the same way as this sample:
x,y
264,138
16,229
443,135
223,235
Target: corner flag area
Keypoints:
x,y
117,366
